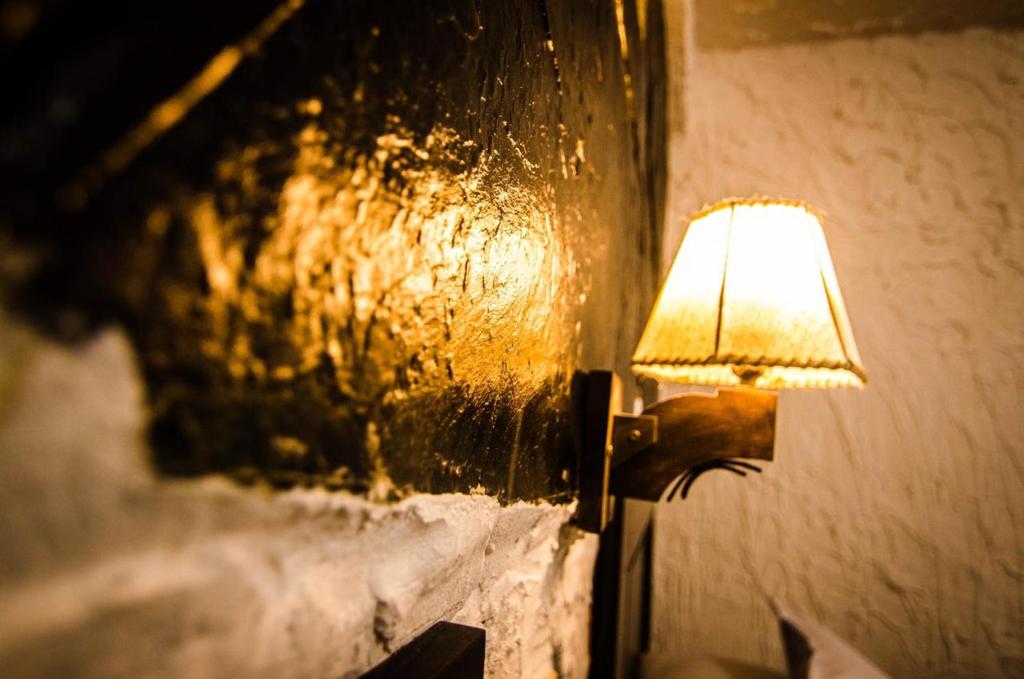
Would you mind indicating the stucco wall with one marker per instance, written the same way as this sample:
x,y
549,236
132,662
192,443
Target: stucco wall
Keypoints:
x,y
108,570
894,514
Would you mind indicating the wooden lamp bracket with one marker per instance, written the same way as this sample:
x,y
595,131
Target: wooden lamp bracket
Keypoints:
x,y
638,456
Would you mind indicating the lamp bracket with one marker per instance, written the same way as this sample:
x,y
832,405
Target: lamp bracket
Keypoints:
x,y
638,456
631,434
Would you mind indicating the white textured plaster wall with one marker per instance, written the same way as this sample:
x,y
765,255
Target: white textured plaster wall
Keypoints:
x,y
109,571
895,515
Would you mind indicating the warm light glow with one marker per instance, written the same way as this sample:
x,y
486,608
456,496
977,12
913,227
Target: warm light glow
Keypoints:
x,y
751,298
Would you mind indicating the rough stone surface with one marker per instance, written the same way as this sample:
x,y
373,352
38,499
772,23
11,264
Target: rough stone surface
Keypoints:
x,y
894,514
107,570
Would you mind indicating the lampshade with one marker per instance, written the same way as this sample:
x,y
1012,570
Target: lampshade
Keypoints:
x,y
751,298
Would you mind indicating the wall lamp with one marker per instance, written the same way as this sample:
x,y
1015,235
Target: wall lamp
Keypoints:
x,y
751,305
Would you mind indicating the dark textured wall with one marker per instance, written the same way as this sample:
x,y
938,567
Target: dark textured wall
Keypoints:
x,y
364,244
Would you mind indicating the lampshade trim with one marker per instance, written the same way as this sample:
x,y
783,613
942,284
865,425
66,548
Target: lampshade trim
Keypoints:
x,y
754,201
760,362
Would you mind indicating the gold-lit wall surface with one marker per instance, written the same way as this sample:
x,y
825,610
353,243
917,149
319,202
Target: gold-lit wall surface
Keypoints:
x,y
348,253
891,514
367,247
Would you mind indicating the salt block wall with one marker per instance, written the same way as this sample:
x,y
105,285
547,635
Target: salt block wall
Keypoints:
x,y
351,251
370,251
108,570
894,515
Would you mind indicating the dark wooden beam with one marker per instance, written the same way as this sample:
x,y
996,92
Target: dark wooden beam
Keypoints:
x,y
445,651
601,397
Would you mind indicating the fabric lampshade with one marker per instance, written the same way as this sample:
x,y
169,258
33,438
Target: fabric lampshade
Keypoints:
x,y
751,298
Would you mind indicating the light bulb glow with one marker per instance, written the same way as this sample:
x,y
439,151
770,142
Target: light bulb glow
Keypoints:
x,y
752,293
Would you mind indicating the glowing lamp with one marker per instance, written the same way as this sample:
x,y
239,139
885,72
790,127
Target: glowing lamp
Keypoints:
x,y
751,304
751,298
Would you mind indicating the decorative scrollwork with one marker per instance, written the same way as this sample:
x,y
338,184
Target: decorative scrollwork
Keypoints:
x,y
690,475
